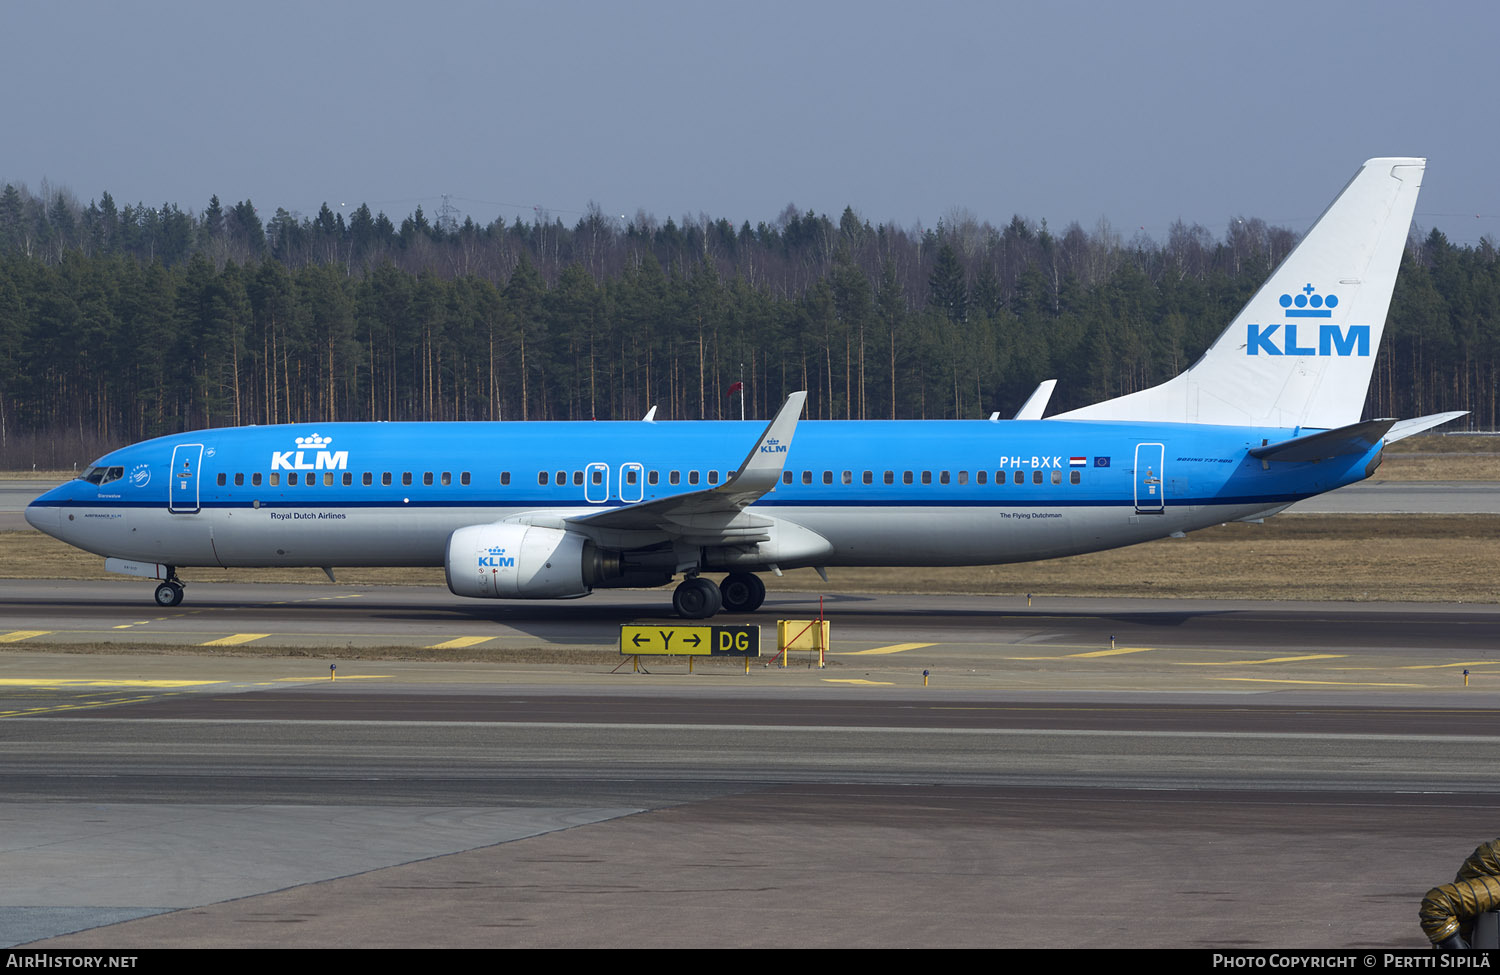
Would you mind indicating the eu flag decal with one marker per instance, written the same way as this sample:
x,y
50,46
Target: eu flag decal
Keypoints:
x,y
1101,461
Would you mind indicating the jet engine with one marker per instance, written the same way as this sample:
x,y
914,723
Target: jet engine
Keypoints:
x,y
521,562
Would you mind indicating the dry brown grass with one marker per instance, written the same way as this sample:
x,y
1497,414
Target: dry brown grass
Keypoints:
x,y
1437,558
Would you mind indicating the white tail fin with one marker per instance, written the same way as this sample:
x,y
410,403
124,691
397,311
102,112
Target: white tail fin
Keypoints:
x,y
1300,353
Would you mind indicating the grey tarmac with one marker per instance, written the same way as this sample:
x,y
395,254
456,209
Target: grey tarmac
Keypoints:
x,y
1225,774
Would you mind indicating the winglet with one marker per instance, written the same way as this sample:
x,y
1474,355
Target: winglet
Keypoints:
x,y
650,416
763,465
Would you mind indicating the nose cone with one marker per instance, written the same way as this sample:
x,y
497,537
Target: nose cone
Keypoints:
x,y
44,518
44,514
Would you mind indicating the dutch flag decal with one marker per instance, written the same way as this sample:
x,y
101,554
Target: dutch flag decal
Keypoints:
x,y
1077,461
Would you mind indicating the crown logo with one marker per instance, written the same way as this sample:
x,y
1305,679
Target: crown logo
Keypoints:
x,y
495,550
1309,304
313,442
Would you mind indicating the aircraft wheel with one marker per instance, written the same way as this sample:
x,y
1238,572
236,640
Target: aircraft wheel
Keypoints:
x,y
696,599
743,592
168,594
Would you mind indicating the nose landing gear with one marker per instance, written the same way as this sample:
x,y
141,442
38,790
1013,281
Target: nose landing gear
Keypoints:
x,y
169,593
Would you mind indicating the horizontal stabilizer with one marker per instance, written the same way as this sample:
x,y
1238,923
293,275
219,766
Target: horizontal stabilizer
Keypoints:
x,y
1357,438
1406,428
1037,402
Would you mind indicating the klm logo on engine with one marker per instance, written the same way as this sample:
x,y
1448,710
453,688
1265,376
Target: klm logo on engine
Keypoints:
x,y
322,460
1282,338
495,558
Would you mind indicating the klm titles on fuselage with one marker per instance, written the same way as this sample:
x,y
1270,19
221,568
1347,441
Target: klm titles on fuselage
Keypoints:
x,y
323,460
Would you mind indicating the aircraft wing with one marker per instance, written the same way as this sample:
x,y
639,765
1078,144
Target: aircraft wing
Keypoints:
x,y
716,514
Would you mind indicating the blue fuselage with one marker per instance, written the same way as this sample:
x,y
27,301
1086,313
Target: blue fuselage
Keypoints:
x,y
879,492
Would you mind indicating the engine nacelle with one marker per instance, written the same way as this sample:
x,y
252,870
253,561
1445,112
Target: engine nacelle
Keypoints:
x,y
521,562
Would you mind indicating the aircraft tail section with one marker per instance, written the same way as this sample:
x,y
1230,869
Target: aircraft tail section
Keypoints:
x,y
1301,352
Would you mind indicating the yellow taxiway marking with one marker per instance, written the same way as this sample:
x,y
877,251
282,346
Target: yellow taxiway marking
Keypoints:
x,y
463,641
1268,660
1470,663
1339,683
1092,653
234,639
16,636
855,680
98,682
893,648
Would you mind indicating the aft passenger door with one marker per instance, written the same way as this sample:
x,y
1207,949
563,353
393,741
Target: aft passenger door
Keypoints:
x,y
186,459
1150,493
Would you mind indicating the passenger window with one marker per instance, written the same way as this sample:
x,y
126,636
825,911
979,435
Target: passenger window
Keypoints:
x,y
906,477
348,478
239,480
786,477
1020,477
367,479
1073,477
505,478
446,479
290,478
275,480
653,478
427,478
464,478
927,477
328,478
868,477
890,477
385,478
406,478
222,479
578,478
807,477
943,478
675,477
981,477
1057,477
255,480
963,477
692,477
713,477
828,477
562,478
541,477
630,476
1036,477
597,476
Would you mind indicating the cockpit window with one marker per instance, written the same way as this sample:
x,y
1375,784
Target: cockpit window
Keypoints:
x,y
102,475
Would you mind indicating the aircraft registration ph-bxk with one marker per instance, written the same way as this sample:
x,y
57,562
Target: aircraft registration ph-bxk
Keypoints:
x,y
543,510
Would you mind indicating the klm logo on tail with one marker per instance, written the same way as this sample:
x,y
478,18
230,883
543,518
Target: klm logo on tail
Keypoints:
x,y
1331,340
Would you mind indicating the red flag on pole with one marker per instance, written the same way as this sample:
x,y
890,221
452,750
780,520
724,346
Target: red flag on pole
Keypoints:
x,y
734,388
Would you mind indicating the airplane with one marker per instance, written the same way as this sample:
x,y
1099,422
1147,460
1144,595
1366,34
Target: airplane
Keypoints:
x,y
1268,416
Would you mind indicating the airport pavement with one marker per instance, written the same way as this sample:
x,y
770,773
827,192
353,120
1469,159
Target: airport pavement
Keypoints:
x,y
1236,774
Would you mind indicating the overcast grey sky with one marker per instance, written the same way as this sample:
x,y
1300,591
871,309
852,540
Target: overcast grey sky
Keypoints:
x,y
1140,112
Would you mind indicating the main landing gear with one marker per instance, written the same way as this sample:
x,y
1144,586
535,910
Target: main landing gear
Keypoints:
x,y
697,598
169,593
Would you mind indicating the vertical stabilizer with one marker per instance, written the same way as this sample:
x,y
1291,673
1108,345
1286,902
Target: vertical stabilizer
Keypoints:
x,y
1300,353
